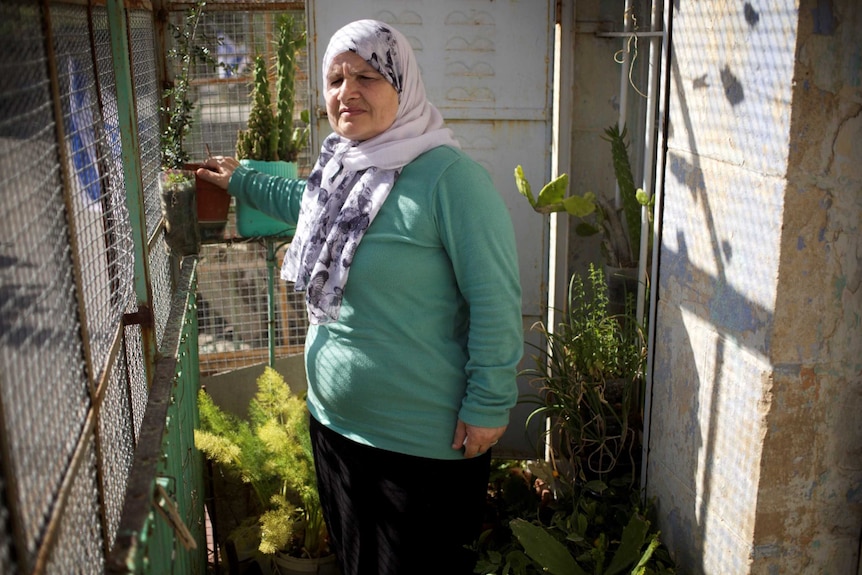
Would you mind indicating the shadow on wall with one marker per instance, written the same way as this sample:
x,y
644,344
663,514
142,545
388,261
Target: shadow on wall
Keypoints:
x,y
694,387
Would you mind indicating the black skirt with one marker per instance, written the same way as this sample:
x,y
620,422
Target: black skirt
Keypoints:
x,y
395,514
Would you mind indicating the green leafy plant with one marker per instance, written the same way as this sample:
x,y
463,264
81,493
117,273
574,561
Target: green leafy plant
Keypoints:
x,y
565,552
588,374
579,531
271,452
578,509
188,48
271,134
621,228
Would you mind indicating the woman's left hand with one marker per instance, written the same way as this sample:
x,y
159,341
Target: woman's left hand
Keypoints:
x,y
476,440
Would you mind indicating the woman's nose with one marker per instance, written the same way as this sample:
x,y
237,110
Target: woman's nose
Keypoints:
x,y
348,89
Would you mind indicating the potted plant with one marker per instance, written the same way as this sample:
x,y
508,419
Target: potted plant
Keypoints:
x,y
211,203
271,453
589,369
271,143
177,197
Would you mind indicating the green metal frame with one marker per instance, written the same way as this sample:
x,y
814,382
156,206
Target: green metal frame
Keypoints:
x,y
162,527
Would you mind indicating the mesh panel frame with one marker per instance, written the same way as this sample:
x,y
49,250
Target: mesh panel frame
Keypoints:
x,y
79,546
40,339
138,391
147,100
73,383
232,282
233,295
116,448
101,219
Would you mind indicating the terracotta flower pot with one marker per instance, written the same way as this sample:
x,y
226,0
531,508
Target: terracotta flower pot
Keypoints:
x,y
213,206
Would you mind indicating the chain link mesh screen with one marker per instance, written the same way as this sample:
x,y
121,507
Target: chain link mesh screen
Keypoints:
x,y
78,548
147,100
73,379
134,356
40,343
117,446
222,95
100,218
233,295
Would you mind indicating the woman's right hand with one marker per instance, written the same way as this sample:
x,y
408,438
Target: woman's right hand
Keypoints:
x,y
218,170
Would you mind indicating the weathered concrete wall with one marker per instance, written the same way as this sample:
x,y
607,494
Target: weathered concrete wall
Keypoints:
x,y
754,439
809,511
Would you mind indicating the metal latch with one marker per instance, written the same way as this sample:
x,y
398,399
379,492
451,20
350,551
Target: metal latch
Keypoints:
x,y
168,509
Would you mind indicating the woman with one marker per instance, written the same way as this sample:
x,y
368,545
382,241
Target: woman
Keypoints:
x,y
411,361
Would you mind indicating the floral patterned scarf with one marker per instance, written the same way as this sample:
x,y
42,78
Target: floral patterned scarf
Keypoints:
x,y
351,180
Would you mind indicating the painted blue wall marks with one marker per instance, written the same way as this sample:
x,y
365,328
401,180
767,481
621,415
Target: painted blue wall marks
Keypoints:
x,y
731,310
751,15
732,86
824,18
675,264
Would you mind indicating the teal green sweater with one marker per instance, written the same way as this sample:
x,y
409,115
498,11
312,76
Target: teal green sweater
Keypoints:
x,y
430,325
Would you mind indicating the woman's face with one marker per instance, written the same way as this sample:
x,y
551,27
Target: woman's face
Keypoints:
x,y
360,102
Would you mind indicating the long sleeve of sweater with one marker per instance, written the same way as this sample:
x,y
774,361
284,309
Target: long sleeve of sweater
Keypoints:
x,y
277,197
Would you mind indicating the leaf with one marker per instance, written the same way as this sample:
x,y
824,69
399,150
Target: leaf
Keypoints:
x,y
640,568
580,206
582,524
584,230
544,549
524,185
629,550
596,486
643,198
554,191
517,563
542,470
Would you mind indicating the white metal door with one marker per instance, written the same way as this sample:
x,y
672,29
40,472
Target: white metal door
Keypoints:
x,y
487,66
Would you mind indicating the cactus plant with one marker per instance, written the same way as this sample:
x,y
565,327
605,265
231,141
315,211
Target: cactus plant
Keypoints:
x,y
271,134
621,227
260,140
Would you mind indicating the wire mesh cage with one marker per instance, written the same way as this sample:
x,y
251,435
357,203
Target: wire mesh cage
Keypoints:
x,y
235,286
40,343
222,90
75,359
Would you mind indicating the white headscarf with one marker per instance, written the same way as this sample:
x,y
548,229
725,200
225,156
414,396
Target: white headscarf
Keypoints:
x,y
351,180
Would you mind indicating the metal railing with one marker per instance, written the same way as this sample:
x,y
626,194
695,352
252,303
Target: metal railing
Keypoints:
x,y
162,526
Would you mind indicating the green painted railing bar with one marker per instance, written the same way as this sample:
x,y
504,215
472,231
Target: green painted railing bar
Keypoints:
x,y
128,124
164,504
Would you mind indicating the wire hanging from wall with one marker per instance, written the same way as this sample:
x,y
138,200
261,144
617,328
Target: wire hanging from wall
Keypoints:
x,y
631,48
